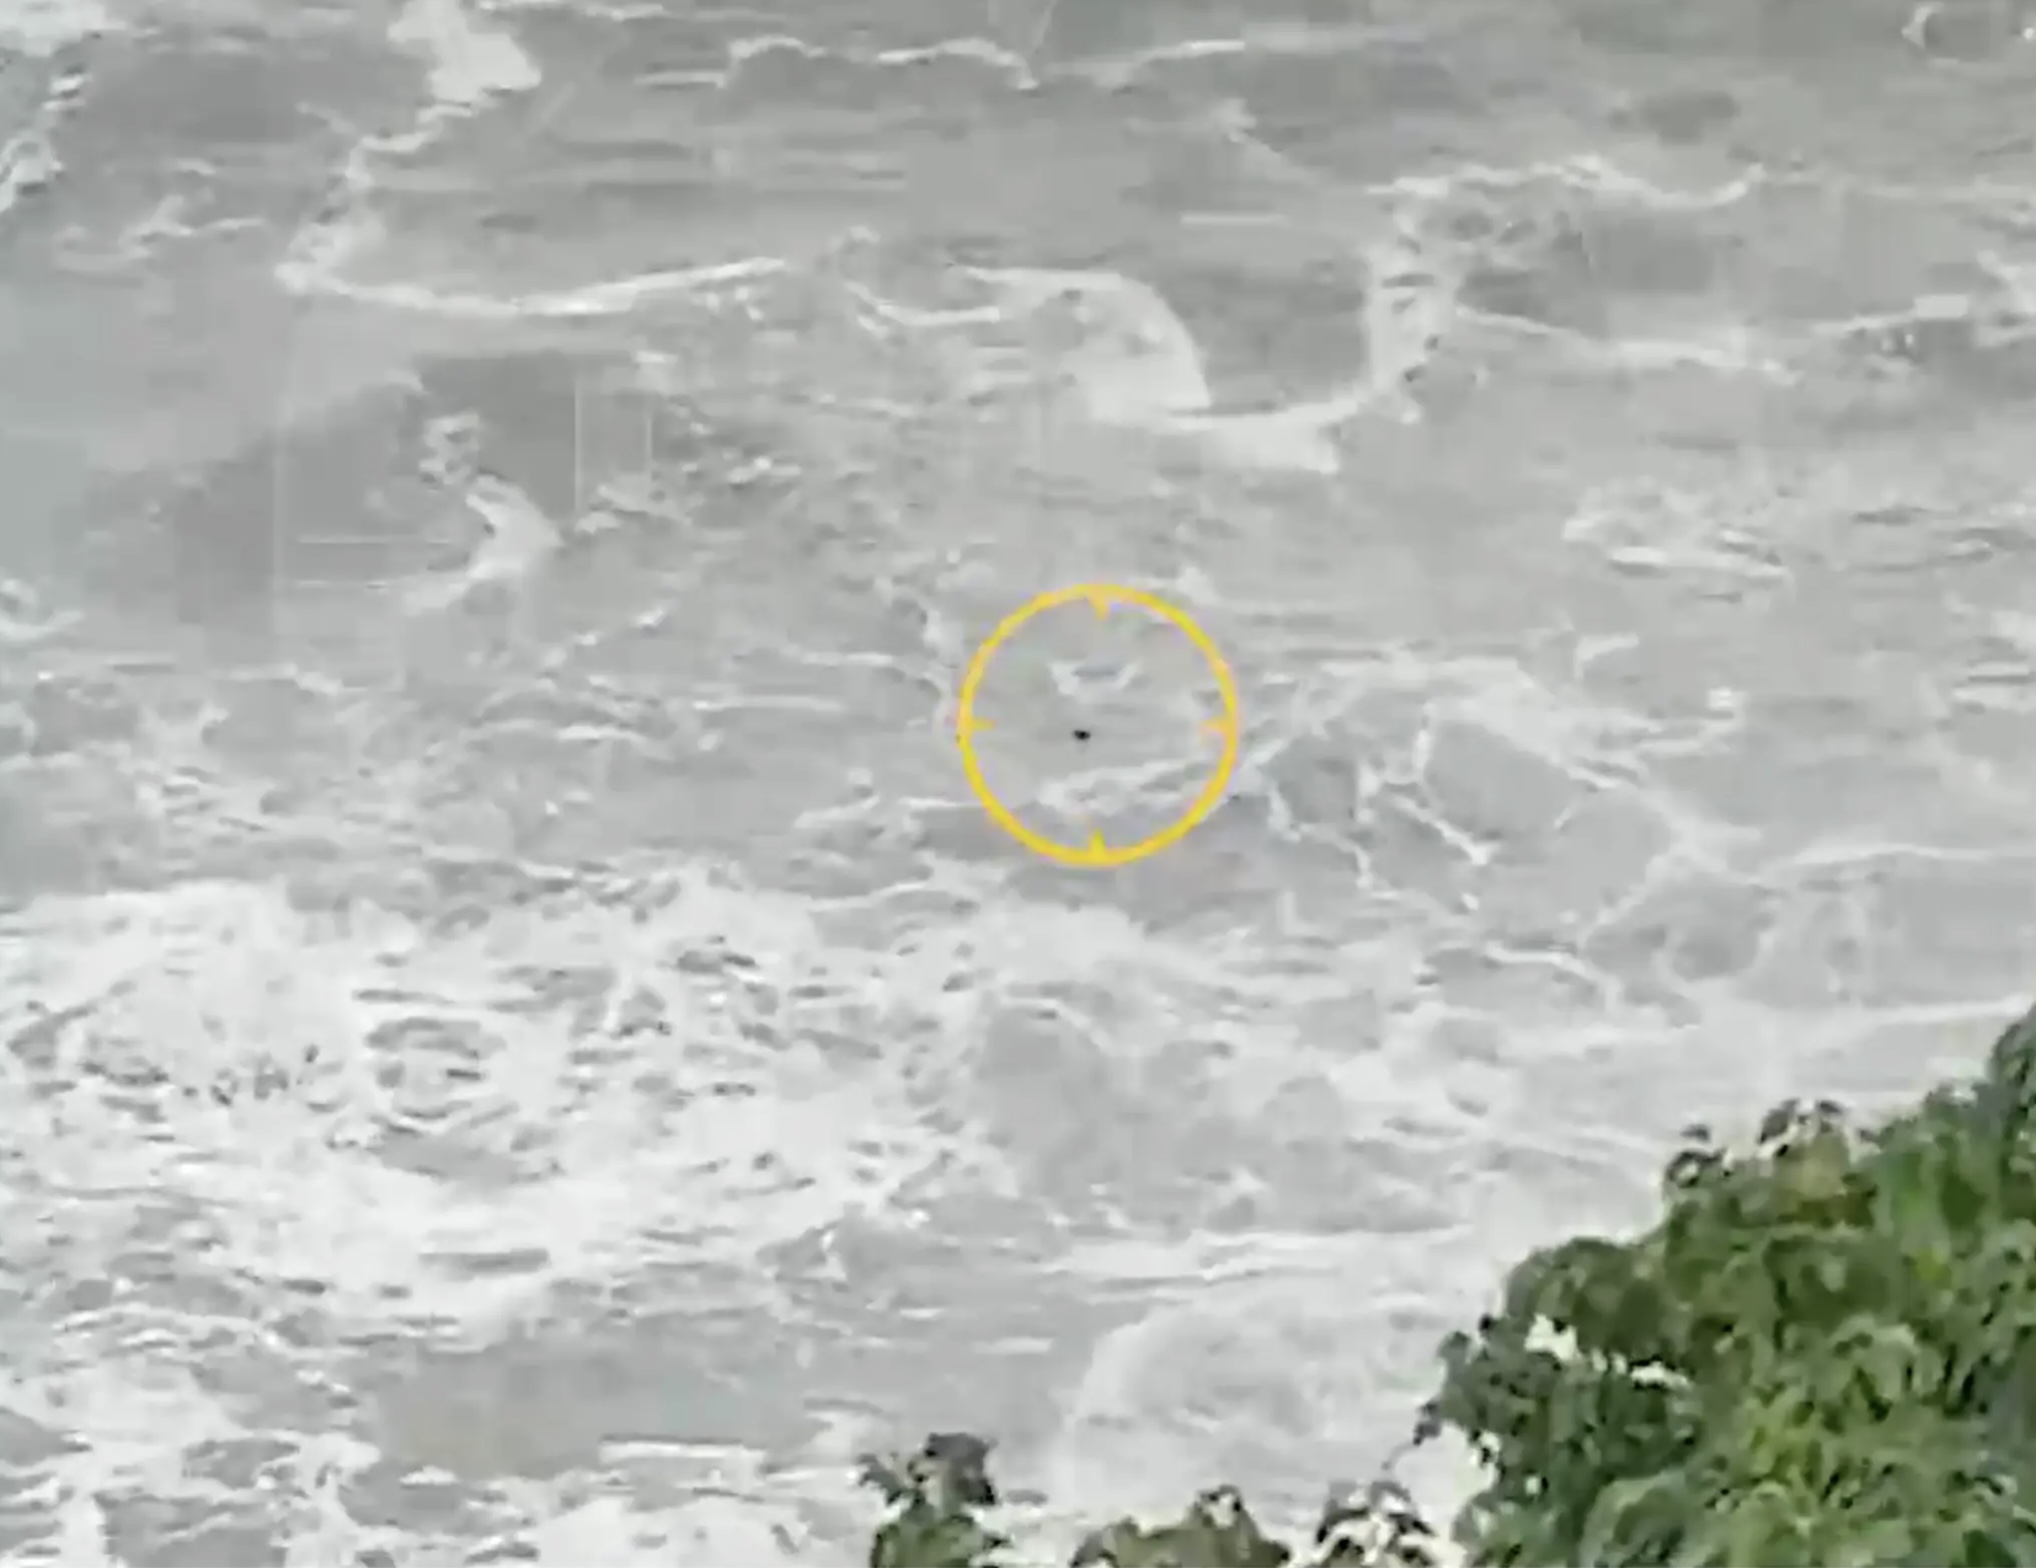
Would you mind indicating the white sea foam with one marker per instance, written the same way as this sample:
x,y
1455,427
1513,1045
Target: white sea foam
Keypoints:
x,y
359,1113
179,986
468,63
1137,366
1014,68
617,297
468,67
519,539
364,1084
28,158
39,28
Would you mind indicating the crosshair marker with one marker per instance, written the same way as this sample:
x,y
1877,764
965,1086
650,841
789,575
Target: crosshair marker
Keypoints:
x,y
1096,852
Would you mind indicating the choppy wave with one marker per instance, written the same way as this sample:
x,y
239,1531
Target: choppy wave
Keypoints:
x,y
518,1039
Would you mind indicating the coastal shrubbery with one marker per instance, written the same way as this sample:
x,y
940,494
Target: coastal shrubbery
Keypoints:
x,y
1823,1353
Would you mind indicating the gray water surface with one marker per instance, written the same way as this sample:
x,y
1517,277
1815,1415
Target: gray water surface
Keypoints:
x,y
519,1039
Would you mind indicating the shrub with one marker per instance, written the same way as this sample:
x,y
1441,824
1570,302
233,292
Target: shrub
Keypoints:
x,y
1824,1352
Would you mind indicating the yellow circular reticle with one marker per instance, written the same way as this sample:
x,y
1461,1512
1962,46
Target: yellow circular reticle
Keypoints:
x,y
1102,598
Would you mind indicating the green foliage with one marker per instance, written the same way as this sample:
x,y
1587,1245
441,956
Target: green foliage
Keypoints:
x,y
1382,1530
1824,1352
935,1497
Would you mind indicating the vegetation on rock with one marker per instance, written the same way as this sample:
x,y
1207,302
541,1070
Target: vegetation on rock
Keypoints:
x,y
1823,1353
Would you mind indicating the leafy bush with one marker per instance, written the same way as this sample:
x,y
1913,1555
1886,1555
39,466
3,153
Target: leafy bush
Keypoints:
x,y
1823,1353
